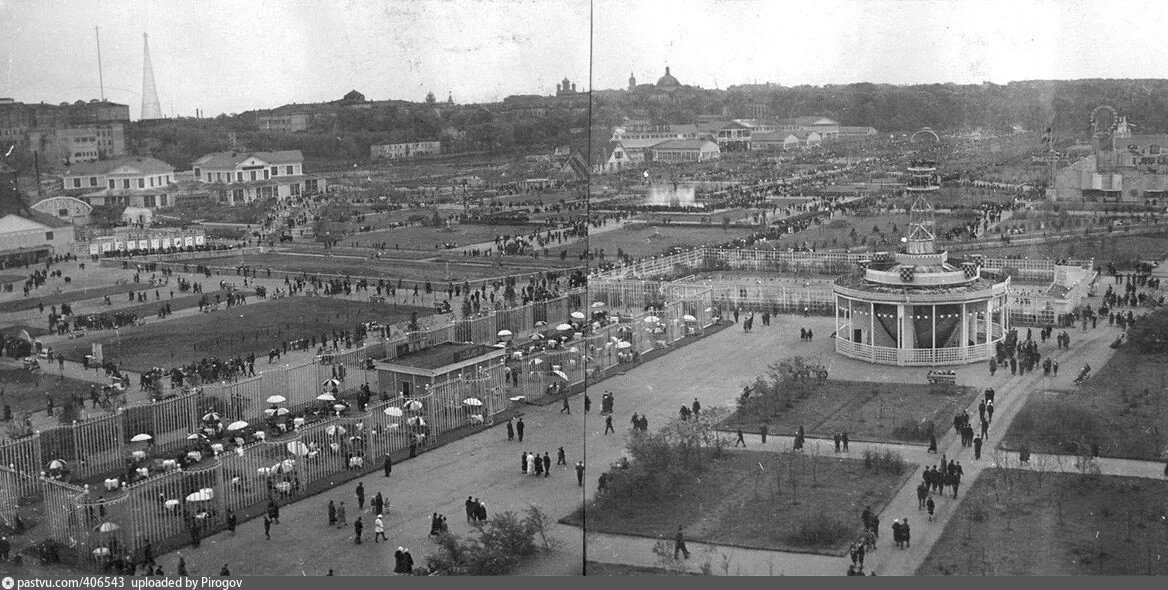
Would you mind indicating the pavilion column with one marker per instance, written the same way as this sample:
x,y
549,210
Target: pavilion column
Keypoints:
x,y
872,325
934,331
989,320
964,328
900,331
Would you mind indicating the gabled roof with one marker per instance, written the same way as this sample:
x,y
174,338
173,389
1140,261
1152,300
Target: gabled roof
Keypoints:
x,y
129,165
602,151
683,144
220,160
30,221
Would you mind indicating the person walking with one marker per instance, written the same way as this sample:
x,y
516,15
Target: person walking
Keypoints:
x,y
977,447
561,458
510,430
763,431
361,497
267,528
580,473
519,429
905,534
388,465
930,506
844,440
358,527
740,440
679,543
608,424
231,521
379,529
332,513
341,521
547,465
587,403
566,407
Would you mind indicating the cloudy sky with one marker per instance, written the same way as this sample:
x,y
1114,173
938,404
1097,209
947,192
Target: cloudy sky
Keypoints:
x,y
720,43
236,55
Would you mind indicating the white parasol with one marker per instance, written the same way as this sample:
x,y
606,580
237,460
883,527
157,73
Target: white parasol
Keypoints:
x,y
624,344
298,448
276,399
56,464
210,417
334,430
472,401
598,304
141,438
578,315
393,411
326,397
562,374
413,405
689,318
652,319
107,527
564,327
505,333
237,425
331,383
282,411
416,421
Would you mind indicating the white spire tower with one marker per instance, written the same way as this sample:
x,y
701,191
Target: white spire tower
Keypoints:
x,y
151,107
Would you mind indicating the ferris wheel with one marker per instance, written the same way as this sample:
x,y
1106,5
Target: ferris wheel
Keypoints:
x,y
1104,121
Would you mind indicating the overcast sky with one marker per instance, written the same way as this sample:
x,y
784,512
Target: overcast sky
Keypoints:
x,y
893,41
235,55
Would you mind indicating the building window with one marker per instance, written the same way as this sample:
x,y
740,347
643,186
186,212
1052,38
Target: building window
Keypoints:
x,y
275,170
49,235
151,182
141,183
111,184
198,172
76,183
288,170
62,212
92,181
253,174
125,183
265,174
239,176
219,177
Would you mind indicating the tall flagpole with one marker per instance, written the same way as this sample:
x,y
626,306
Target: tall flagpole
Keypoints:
x,y
100,78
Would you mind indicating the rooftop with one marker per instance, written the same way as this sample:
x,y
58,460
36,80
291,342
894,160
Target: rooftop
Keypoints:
x,y
134,164
441,355
221,160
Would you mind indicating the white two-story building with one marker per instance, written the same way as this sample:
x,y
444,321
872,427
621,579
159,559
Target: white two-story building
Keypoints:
x,y
243,177
130,181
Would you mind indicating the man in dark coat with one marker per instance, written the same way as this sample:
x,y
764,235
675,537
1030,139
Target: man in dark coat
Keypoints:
x,y
332,513
547,465
977,447
519,429
470,509
398,567
763,431
267,528
523,462
538,465
510,430
358,527
697,407
360,496
580,473
273,512
679,543
561,458
388,465
378,504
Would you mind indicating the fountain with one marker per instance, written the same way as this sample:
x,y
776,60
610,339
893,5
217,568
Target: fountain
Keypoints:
x,y
671,194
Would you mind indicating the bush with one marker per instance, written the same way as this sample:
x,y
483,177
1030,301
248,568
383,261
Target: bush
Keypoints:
x,y
888,461
820,530
502,544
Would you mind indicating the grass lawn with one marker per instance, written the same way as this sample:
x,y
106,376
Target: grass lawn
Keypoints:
x,y
596,568
1110,409
355,266
1125,249
418,237
254,327
1068,525
49,299
796,502
867,411
25,392
648,241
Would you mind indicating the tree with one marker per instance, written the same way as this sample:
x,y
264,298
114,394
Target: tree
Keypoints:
x,y
466,308
725,222
430,98
1150,333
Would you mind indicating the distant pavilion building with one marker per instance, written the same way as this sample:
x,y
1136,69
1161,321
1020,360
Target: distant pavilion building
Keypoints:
x,y
916,307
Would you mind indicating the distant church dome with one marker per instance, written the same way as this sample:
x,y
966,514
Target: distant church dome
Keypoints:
x,y
668,81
